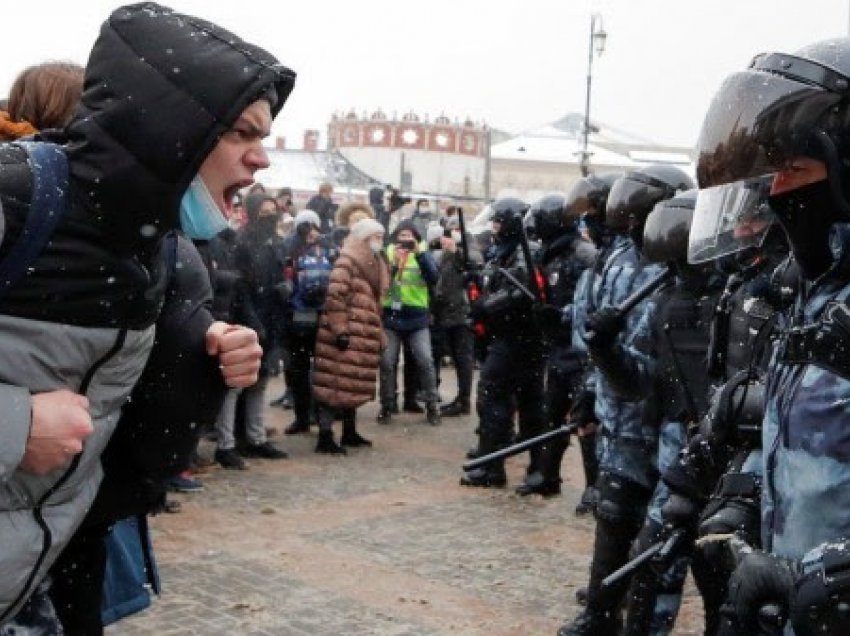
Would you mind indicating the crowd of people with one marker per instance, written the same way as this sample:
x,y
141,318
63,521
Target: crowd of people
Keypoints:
x,y
690,335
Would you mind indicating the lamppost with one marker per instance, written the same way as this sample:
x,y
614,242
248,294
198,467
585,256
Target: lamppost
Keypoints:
x,y
598,36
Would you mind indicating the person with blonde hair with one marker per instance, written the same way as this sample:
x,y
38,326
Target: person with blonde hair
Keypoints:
x,y
351,336
347,215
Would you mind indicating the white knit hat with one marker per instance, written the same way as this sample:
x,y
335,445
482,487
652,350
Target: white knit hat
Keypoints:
x,y
366,227
434,231
308,216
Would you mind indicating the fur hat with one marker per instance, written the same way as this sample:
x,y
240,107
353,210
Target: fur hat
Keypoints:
x,y
366,227
347,209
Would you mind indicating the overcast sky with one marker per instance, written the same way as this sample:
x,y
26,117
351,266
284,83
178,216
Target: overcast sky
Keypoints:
x,y
514,64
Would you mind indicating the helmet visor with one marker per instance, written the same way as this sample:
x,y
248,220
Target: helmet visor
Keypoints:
x,y
578,200
756,123
730,218
633,196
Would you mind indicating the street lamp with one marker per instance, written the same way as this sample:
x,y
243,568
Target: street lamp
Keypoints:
x,y
598,36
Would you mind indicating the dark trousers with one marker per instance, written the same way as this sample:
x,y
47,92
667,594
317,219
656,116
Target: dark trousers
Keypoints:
x,y
301,345
513,370
459,341
77,587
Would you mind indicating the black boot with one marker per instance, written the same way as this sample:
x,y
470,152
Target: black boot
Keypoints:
x,y
460,406
486,477
547,480
490,475
385,415
350,436
327,445
433,415
537,484
590,496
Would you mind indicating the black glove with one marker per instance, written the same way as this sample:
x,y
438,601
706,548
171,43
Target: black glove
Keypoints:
x,y
603,327
343,342
725,404
759,595
679,511
582,411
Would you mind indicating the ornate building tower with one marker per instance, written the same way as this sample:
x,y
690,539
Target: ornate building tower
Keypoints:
x,y
442,156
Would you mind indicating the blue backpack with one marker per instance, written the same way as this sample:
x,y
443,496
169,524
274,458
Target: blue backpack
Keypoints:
x,y
49,168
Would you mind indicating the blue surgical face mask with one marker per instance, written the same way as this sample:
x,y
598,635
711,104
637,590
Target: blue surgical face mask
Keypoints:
x,y
200,217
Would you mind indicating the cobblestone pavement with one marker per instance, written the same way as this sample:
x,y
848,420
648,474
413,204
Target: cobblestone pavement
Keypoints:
x,y
382,541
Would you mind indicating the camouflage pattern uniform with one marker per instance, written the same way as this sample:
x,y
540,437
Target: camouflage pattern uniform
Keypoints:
x,y
806,439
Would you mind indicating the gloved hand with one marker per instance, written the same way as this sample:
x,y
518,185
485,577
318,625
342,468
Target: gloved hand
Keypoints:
x,y
679,511
343,342
718,423
582,411
548,317
603,327
760,592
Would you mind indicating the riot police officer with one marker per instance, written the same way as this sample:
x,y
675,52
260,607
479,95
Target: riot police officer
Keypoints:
x,y
666,361
718,476
516,356
784,121
628,443
589,197
564,257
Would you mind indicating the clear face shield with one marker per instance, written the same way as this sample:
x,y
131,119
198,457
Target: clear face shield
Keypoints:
x,y
758,121
730,218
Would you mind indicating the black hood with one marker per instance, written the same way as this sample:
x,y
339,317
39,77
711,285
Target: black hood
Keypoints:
x,y
160,89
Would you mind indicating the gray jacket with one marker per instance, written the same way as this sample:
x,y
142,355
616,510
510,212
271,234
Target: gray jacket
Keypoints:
x,y
38,514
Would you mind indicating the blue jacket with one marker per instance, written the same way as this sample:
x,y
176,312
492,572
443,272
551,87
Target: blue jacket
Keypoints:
x,y
806,432
628,443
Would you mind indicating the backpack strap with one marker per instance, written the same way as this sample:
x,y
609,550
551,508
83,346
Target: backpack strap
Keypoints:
x,y
49,168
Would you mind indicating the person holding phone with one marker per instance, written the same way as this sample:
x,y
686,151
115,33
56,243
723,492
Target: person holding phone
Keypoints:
x,y
406,318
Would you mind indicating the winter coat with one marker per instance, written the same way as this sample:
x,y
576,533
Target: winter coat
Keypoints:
x,y
218,257
346,379
450,304
82,318
259,296
158,428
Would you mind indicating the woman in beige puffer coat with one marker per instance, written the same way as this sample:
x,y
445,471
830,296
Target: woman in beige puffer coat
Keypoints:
x,y
351,336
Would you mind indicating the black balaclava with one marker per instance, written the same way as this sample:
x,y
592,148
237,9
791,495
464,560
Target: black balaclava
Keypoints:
x,y
807,214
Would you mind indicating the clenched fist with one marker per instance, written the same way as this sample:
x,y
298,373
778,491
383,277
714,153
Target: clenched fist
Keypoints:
x,y
60,423
239,353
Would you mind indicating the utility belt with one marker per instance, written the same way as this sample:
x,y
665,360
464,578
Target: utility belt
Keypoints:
x,y
825,344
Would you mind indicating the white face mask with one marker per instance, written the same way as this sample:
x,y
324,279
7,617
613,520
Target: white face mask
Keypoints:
x,y
456,237
376,246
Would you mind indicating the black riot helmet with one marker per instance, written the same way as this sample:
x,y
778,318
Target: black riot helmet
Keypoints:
x,y
665,234
549,218
508,212
783,107
634,195
587,200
